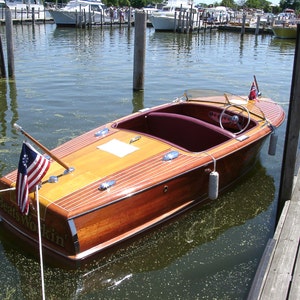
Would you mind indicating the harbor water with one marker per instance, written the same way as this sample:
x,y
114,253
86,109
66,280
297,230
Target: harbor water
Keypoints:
x,y
68,81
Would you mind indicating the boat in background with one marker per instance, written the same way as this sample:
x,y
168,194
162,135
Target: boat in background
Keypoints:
x,y
78,12
3,4
88,12
125,177
176,15
285,31
23,9
285,24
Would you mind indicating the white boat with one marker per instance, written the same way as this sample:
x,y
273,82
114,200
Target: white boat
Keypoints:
x,y
78,12
23,9
175,15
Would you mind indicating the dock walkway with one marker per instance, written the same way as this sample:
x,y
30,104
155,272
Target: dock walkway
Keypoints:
x,y
278,275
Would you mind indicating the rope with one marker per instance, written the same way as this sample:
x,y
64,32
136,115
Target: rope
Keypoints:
x,y
39,232
40,240
6,190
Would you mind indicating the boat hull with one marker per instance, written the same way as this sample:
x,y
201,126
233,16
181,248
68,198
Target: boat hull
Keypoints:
x,y
74,18
161,23
170,23
128,216
285,32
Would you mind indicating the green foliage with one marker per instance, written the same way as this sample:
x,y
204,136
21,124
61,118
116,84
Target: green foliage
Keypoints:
x,y
117,3
293,4
258,4
228,3
138,3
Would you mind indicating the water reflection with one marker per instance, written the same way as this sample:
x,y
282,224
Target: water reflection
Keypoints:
x,y
13,101
3,108
8,116
186,247
285,45
138,100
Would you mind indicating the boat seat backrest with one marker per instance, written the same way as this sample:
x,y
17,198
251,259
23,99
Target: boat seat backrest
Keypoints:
x,y
185,131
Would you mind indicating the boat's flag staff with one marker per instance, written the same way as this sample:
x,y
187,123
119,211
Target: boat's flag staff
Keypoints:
x,y
254,90
16,126
257,88
32,168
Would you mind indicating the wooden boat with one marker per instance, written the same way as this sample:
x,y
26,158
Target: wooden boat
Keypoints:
x,y
132,174
158,250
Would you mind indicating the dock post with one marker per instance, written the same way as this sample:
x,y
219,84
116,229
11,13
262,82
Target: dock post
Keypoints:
x,y
129,18
292,134
9,43
139,50
2,63
243,24
257,25
32,16
175,18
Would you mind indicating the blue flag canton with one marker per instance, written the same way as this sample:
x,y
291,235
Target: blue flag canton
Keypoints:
x,y
28,157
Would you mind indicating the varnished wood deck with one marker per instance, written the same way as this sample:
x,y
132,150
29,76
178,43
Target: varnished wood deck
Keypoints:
x,y
278,275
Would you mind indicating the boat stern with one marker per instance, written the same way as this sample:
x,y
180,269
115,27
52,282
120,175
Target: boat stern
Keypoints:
x,y
56,230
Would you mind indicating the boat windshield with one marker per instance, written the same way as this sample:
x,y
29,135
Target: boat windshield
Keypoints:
x,y
95,7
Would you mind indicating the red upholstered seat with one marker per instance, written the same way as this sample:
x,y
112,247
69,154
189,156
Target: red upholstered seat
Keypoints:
x,y
187,132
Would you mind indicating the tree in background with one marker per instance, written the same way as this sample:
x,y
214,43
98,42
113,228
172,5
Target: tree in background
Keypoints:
x,y
139,3
228,3
116,3
293,4
259,4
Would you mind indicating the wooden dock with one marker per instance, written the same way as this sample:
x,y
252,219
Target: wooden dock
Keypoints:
x,y
278,275
247,29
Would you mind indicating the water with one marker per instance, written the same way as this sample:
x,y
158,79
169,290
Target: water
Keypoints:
x,y
69,81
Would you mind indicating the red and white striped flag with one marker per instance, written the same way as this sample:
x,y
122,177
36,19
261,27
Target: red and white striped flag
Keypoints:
x,y
32,168
253,92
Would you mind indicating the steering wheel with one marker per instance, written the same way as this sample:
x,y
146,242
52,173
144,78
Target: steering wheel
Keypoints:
x,y
239,117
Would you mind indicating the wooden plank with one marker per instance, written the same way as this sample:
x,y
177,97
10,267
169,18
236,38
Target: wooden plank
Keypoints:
x,y
279,275
295,287
266,260
292,133
261,272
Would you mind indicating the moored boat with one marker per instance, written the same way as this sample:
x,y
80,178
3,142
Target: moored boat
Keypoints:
x,y
78,12
285,31
24,9
125,177
174,16
285,25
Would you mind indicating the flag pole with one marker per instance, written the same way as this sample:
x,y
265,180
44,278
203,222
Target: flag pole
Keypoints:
x,y
17,127
40,239
255,81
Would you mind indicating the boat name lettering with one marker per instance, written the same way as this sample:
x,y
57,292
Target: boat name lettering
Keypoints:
x,y
48,233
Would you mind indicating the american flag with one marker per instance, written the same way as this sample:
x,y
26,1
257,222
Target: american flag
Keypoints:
x,y
253,92
32,168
